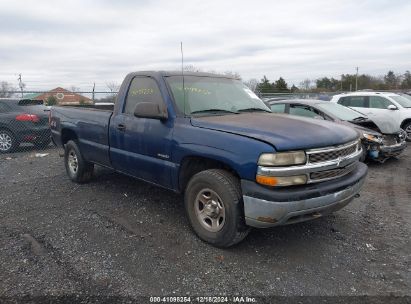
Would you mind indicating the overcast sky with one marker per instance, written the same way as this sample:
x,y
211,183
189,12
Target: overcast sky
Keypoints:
x,y
56,43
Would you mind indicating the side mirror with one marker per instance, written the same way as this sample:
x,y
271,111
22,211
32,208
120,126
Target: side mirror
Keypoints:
x,y
151,110
392,107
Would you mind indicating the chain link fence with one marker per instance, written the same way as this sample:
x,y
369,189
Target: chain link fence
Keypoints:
x,y
24,116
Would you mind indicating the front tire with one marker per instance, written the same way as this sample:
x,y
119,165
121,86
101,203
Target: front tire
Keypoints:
x,y
407,128
214,207
8,142
79,170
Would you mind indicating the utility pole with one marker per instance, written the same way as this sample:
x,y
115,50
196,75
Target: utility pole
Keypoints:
x,y
341,81
94,87
356,79
20,85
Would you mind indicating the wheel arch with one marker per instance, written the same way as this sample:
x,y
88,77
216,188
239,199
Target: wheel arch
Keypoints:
x,y
404,122
68,134
191,165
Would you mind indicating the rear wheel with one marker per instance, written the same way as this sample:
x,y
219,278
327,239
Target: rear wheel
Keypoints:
x,y
214,207
79,170
8,142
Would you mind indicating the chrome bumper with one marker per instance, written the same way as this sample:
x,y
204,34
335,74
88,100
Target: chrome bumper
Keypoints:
x,y
262,213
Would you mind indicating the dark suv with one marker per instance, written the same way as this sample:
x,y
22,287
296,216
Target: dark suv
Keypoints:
x,y
23,121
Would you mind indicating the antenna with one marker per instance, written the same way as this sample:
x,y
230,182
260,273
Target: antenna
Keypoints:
x,y
182,74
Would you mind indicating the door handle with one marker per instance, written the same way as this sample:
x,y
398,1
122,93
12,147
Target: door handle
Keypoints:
x,y
121,127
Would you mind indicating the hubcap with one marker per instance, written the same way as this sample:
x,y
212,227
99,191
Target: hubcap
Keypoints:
x,y
72,162
5,142
408,130
210,211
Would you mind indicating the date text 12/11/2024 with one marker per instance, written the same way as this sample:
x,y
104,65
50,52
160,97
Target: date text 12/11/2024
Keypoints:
x,y
203,299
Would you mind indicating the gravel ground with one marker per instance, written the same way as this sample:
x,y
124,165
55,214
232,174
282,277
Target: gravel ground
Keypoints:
x,y
117,236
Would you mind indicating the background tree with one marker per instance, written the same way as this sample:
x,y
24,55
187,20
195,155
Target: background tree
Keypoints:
x,y
51,100
280,85
294,89
6,90
265,86
391,80
406,80
306,84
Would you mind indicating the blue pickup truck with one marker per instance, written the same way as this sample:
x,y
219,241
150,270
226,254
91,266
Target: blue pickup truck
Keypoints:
x,y
212,139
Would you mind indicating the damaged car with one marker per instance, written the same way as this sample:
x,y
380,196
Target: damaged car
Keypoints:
x,y
381,138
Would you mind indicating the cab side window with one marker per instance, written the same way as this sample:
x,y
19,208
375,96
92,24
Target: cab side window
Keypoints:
x,y
142,89
353,101
305,111
278,107
378,102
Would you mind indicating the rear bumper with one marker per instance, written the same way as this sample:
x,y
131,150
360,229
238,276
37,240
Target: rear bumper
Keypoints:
x,y
37,135
267,207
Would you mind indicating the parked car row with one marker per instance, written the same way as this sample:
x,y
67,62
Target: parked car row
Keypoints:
x,y
381,137
23,121
396,107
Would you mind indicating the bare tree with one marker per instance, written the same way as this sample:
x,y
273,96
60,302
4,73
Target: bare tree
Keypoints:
x,y
232,74
74,89
113,86
306,84
252,84
6,89
191,68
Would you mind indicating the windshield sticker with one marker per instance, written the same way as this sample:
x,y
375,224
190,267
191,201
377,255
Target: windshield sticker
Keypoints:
x,y
142,92
195,90
251,93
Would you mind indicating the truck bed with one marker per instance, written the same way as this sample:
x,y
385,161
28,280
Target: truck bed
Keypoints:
x,y
92,126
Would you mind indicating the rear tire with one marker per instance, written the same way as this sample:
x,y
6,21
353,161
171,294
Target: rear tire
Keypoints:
x,y
79,170
214,207
8,142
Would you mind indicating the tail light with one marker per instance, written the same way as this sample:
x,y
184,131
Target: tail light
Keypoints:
x,y
28,117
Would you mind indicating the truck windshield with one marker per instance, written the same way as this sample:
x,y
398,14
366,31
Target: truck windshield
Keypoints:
x,y
339,111
213,96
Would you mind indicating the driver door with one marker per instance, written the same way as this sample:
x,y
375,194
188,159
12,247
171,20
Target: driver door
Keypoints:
x,y
141,147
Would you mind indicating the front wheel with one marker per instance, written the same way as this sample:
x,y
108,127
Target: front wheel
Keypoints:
x,y
79,170
214,207
407,128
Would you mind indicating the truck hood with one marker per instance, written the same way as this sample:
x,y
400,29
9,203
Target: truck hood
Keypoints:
x,y
284,132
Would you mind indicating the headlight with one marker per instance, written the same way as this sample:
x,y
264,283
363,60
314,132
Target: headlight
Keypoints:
x,y
281,180
282,158
374,138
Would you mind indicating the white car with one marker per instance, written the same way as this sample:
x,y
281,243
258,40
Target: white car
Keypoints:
x,y
382,104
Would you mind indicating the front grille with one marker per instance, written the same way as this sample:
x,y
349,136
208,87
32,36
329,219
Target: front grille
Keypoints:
x,y
334,173
318,157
